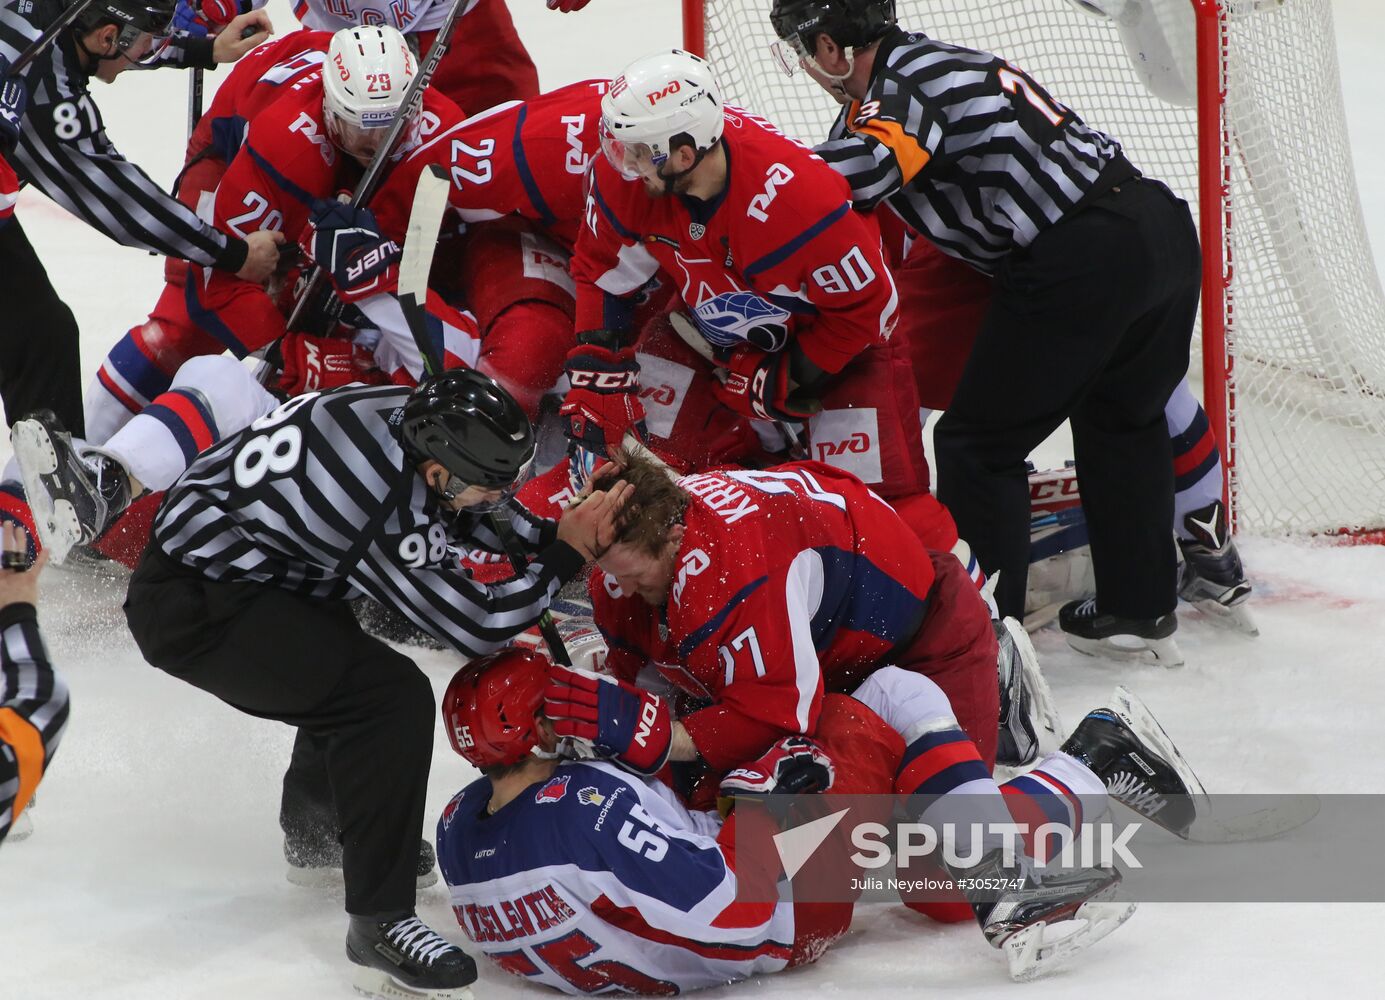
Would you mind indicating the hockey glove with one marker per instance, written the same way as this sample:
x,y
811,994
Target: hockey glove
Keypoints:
x,y
795,765
567,6
323,363
603,403
14,98
199,17
346,243
629,726
756,384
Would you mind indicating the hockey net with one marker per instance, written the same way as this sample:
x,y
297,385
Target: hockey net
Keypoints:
x,y
1296,384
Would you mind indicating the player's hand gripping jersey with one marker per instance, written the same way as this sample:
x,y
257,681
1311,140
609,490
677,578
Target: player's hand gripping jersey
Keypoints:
x,y
779,254
596,881
789,580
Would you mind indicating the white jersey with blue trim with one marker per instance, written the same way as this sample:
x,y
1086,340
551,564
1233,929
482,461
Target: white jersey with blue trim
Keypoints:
x,y
406,15
596,881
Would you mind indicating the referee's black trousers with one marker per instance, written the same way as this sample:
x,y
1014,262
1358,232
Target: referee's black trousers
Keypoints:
x,y
1091,322
40,363
279,655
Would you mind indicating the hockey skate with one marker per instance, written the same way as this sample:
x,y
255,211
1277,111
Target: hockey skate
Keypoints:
x,y
318,866
1212,578
74,493
1147,640
1141,768
1040,920
405,959
1029,720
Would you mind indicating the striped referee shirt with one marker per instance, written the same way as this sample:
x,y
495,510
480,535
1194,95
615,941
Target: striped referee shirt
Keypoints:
x,y
318,497
967,149
33,710
64,152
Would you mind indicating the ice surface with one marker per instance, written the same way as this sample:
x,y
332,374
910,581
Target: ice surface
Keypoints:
x,y
155,870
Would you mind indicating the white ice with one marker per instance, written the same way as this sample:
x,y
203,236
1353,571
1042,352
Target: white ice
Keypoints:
x,y
155,870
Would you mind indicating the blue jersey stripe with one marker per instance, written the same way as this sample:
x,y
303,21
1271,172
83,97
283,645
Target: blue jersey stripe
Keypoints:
x,y
794,245
697,637
526,176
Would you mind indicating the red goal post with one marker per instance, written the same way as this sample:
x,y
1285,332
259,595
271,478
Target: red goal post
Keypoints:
x,y
1235,104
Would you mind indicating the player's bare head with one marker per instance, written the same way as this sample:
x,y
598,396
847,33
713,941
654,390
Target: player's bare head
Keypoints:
x,y
660,118
825,37
648,529
364,81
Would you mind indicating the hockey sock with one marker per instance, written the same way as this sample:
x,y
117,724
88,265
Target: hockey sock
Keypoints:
x,y
125,383
1197,467
1053,800
949,787
163,440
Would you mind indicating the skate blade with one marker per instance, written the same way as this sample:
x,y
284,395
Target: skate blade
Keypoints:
x,y
331,878
1289,812
380,985
55,521
1234,618
1043,709
1130,648
1038,950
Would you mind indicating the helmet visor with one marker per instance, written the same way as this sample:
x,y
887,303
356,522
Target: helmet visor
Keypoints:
x,y
362,141
632,160
789,54
483,499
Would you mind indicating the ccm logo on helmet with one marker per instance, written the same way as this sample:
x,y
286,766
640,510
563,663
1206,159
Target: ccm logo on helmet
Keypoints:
x,y
658,95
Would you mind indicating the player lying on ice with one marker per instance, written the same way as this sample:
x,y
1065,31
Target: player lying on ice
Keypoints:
x,y
592,876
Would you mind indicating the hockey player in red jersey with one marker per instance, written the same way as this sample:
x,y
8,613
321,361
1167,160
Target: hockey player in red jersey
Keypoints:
x,y
273,151
760,591
784,293
518,184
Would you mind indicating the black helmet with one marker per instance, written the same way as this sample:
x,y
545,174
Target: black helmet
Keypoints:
x,y
470,426
851,23
152,16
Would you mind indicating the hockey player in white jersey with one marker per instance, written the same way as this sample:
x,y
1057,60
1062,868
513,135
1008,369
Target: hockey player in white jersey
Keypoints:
x,y
588,878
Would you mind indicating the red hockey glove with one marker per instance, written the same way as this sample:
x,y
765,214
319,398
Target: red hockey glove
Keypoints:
x,y
321,363
757,384
627,725
567,6
347,243
603,403
219,13
795,765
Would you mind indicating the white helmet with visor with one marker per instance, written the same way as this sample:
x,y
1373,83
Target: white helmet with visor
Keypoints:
x,y
662,97
368,71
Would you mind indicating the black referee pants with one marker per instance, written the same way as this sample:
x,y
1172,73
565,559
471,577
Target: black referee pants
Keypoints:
x,y
40,364
278,655
1091,323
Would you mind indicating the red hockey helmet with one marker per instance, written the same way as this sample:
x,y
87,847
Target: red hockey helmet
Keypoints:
x,y
490,705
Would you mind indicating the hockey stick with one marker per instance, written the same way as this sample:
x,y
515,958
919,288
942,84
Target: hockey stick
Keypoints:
x,y
49,34
420,240
194,100
413,103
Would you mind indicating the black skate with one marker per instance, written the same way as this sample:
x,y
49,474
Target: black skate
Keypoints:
x,y
1212,578
405,959
317,865
74,493
1130,752
1039,920
1148,640
1027,712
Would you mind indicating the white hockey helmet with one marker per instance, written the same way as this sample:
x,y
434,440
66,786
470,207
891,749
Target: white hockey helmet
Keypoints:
x,y
368,71
657,99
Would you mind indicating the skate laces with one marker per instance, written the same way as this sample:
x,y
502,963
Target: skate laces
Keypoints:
x,y
417,940
1133,792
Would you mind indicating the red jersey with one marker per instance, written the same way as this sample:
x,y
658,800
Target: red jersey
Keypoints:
x,y
259,79
780,247
525,158
787,579
287,162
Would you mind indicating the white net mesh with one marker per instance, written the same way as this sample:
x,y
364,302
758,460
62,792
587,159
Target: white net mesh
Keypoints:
x,y
1307,327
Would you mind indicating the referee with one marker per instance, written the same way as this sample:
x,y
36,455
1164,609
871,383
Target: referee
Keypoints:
x,y
62,150
1097,274
243,593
